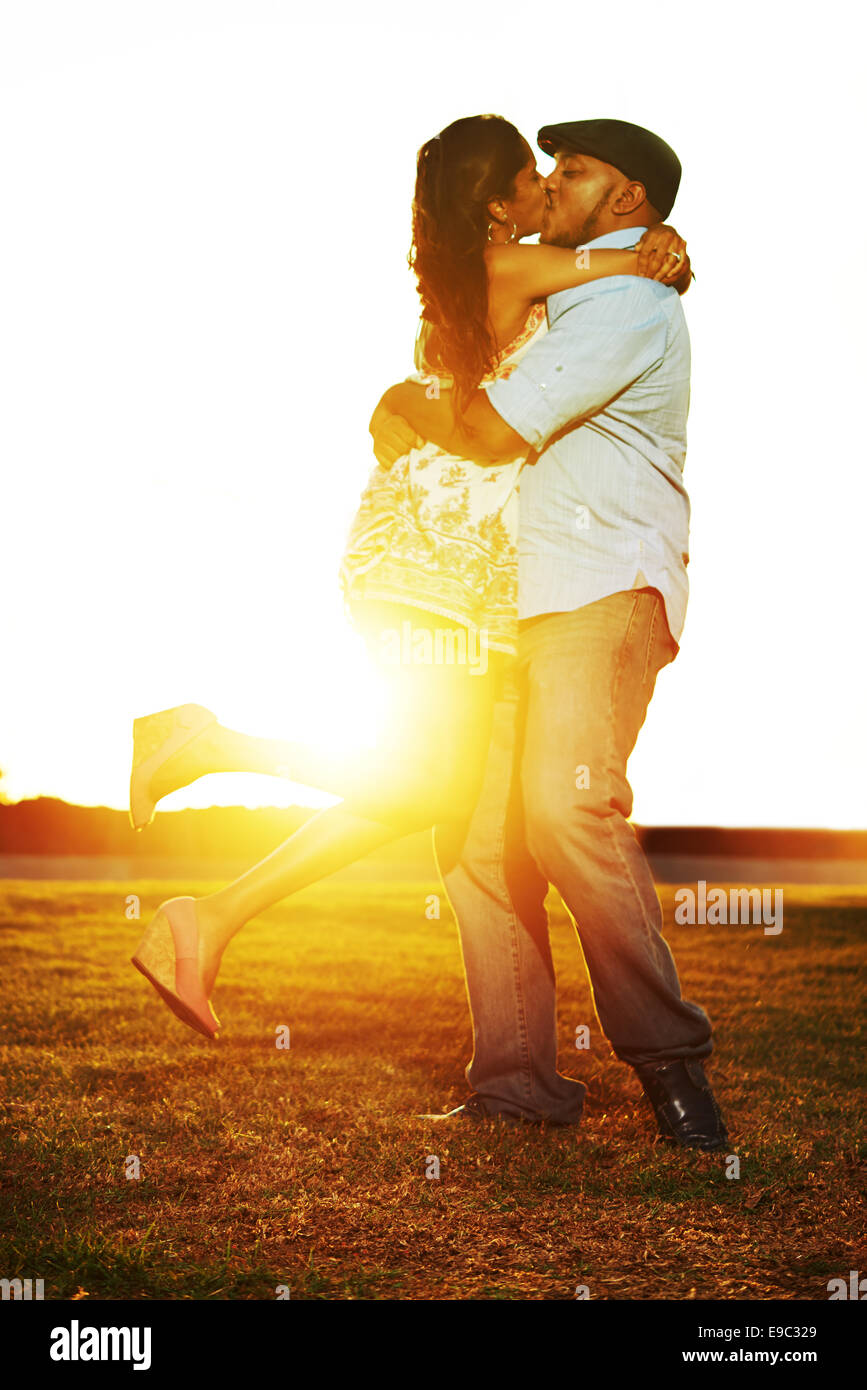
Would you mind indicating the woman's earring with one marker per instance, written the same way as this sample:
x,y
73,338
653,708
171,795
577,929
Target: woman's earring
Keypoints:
x,y
513,237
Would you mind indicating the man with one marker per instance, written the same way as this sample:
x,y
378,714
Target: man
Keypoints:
x,y
604,517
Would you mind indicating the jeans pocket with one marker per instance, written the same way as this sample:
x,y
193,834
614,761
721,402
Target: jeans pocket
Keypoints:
x,y
660,649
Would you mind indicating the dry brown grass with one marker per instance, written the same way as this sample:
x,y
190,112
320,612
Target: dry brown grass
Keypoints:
x,y
307,1167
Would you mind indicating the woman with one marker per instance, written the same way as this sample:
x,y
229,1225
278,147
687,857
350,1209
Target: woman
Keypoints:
x,y
431,561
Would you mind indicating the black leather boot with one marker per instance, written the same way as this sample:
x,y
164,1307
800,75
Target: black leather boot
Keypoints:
x,y
684,1104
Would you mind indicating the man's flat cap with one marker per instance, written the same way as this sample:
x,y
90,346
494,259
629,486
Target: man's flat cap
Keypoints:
x,y
636,152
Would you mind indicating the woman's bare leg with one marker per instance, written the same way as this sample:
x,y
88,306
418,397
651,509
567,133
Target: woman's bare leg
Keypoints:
x,y
217,749
328,842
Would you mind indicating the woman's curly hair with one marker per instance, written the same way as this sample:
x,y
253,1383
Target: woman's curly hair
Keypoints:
x,y
459,171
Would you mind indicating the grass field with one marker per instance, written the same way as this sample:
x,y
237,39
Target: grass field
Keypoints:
x,y
306,1167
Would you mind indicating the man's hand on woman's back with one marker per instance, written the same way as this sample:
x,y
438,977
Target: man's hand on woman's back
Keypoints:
x,y
392,436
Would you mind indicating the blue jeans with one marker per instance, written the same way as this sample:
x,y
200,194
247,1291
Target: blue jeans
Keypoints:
x,y
553,808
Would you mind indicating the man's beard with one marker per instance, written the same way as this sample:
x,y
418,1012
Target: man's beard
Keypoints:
x,y
577,236
564,239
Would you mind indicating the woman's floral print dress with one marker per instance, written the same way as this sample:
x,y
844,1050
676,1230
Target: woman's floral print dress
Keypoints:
x,y
439,532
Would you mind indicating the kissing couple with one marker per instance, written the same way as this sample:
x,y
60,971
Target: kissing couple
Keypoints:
x,y
528,494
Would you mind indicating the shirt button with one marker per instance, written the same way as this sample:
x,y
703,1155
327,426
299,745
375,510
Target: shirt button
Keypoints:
x,y
558,368
543,385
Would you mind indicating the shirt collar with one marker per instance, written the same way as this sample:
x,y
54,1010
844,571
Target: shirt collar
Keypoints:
x,y
623,236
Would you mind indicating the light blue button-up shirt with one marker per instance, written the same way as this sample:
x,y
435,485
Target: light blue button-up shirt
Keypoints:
x,y
603,398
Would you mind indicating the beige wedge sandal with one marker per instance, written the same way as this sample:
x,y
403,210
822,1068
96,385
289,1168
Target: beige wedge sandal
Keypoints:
x,y
156,738
169,955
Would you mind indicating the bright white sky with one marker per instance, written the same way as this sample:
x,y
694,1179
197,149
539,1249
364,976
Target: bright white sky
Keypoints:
x,y
204,238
